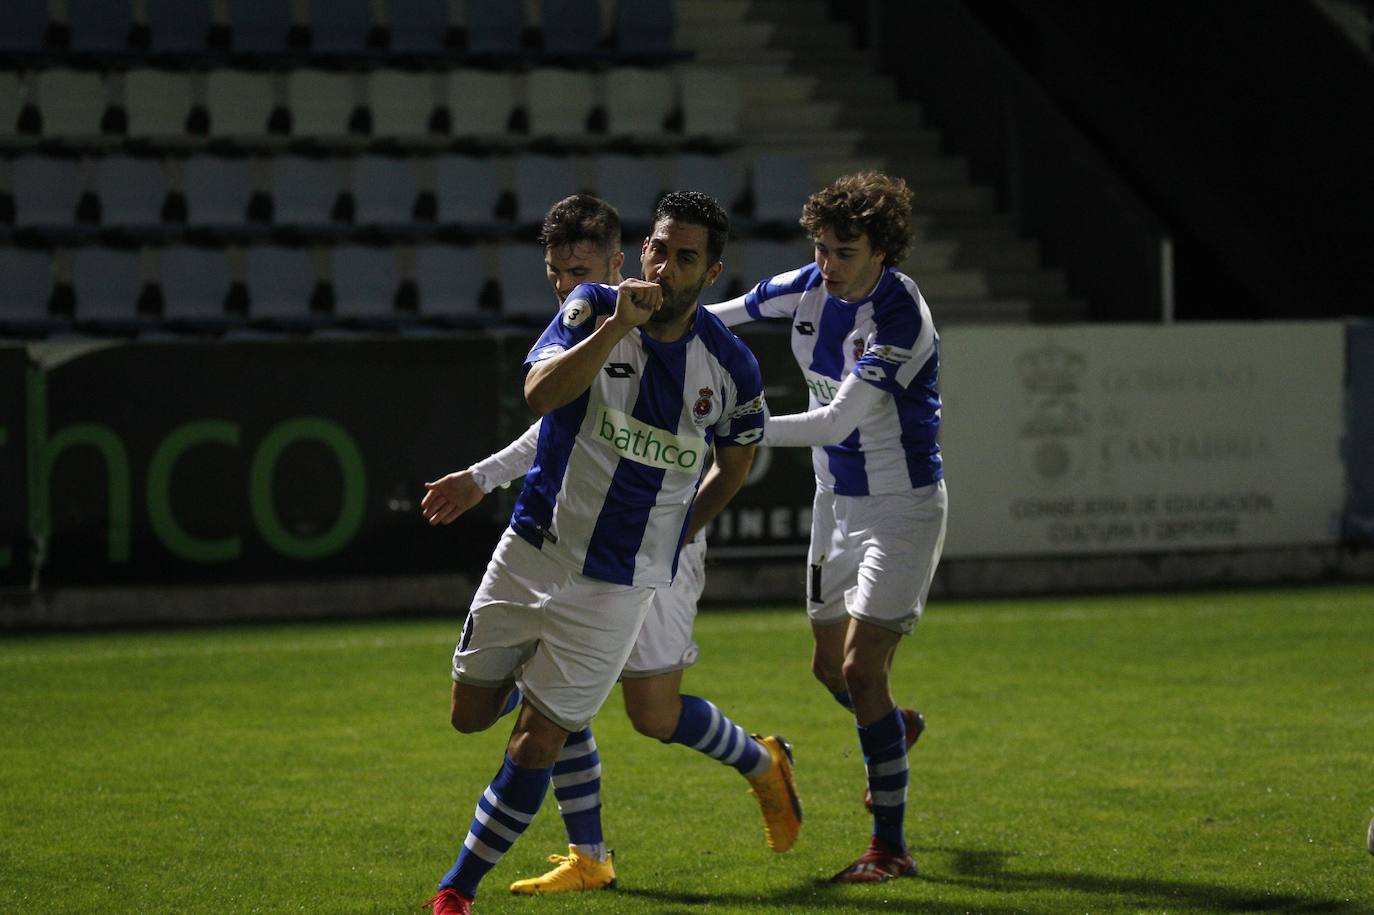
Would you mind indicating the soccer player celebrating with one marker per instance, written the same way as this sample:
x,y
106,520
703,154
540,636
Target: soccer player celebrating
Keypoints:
x,y
581,238
631,405
863,337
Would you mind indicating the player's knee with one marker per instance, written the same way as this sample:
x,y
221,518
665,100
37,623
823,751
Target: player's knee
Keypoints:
x,y
532,749
652,723
861,674
830,678
465,721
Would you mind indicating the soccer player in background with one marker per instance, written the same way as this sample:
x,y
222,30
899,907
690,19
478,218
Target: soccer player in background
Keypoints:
x,y
581,238
863,338
631,405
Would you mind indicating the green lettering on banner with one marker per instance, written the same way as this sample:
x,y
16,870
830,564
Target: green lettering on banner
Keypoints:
x,y
5,554
337,439
165,525
43,454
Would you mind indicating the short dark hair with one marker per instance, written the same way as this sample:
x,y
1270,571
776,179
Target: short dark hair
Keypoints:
x,y
581,218
867,202
698,209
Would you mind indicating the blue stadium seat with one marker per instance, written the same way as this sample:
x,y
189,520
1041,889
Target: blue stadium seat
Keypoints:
x,y
28,281
402,103
495,28
321,101
781,184
560,102
23,25
632,184
108,283
158,103
570,28
46,191
12,102
178,26
71,103
644,27
240,103
260,26
99,25
467,189
366,279
281,284
384,190
132,191
339,26
417,26
722,177
449,279
639,101
304,191
195,285
525,291
480,103
218,191
542,181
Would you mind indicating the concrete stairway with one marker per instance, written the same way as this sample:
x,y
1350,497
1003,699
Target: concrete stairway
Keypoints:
x,y
808,92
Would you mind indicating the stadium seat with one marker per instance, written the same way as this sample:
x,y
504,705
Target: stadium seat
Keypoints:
x,y
23,25
750,261
339,26
449,279
46,191
132,191
402,103
570,28
218,191
365,280
158,103
108,283
195,284
417,26
282,283
28,277
178,26
384,190
542,181
480,103
321,103
99,25
525,292
495,28
632,184
644,27
781,183
638,102
12,92
71,103
260,26
722,177
240,103
712,103
467,189
304,191
559,102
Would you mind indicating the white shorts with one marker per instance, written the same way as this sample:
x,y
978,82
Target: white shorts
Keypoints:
x,y
873,557
559,635
665,641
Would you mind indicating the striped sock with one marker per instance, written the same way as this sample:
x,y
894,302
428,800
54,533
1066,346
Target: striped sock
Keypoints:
x,y
884,748
577,788
503,811
702,727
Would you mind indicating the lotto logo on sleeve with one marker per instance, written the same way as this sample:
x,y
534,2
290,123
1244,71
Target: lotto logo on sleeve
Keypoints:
x,y
647,444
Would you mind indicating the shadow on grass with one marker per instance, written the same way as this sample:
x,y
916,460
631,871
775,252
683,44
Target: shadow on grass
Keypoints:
x,y
986,871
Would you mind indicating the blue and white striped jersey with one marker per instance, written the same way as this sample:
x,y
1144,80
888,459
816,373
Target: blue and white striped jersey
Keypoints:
x,y
617,469
887,340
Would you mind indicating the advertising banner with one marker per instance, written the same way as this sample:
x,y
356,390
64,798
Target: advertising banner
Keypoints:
x,y
1138,439
14,507
184,462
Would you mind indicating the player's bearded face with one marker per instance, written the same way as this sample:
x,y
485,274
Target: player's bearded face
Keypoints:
x,y
674,257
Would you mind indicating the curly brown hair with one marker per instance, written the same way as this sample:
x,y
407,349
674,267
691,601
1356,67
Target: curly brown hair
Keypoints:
x,y
869,203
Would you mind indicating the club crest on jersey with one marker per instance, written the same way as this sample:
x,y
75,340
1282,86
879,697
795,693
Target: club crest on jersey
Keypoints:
x,y
858,348
576,313
702,407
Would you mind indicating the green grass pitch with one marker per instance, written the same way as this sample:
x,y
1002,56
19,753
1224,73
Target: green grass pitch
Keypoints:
x,y
1208,752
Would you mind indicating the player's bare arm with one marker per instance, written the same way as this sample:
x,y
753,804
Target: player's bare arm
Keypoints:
x,y
449,496
561,379
727,474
